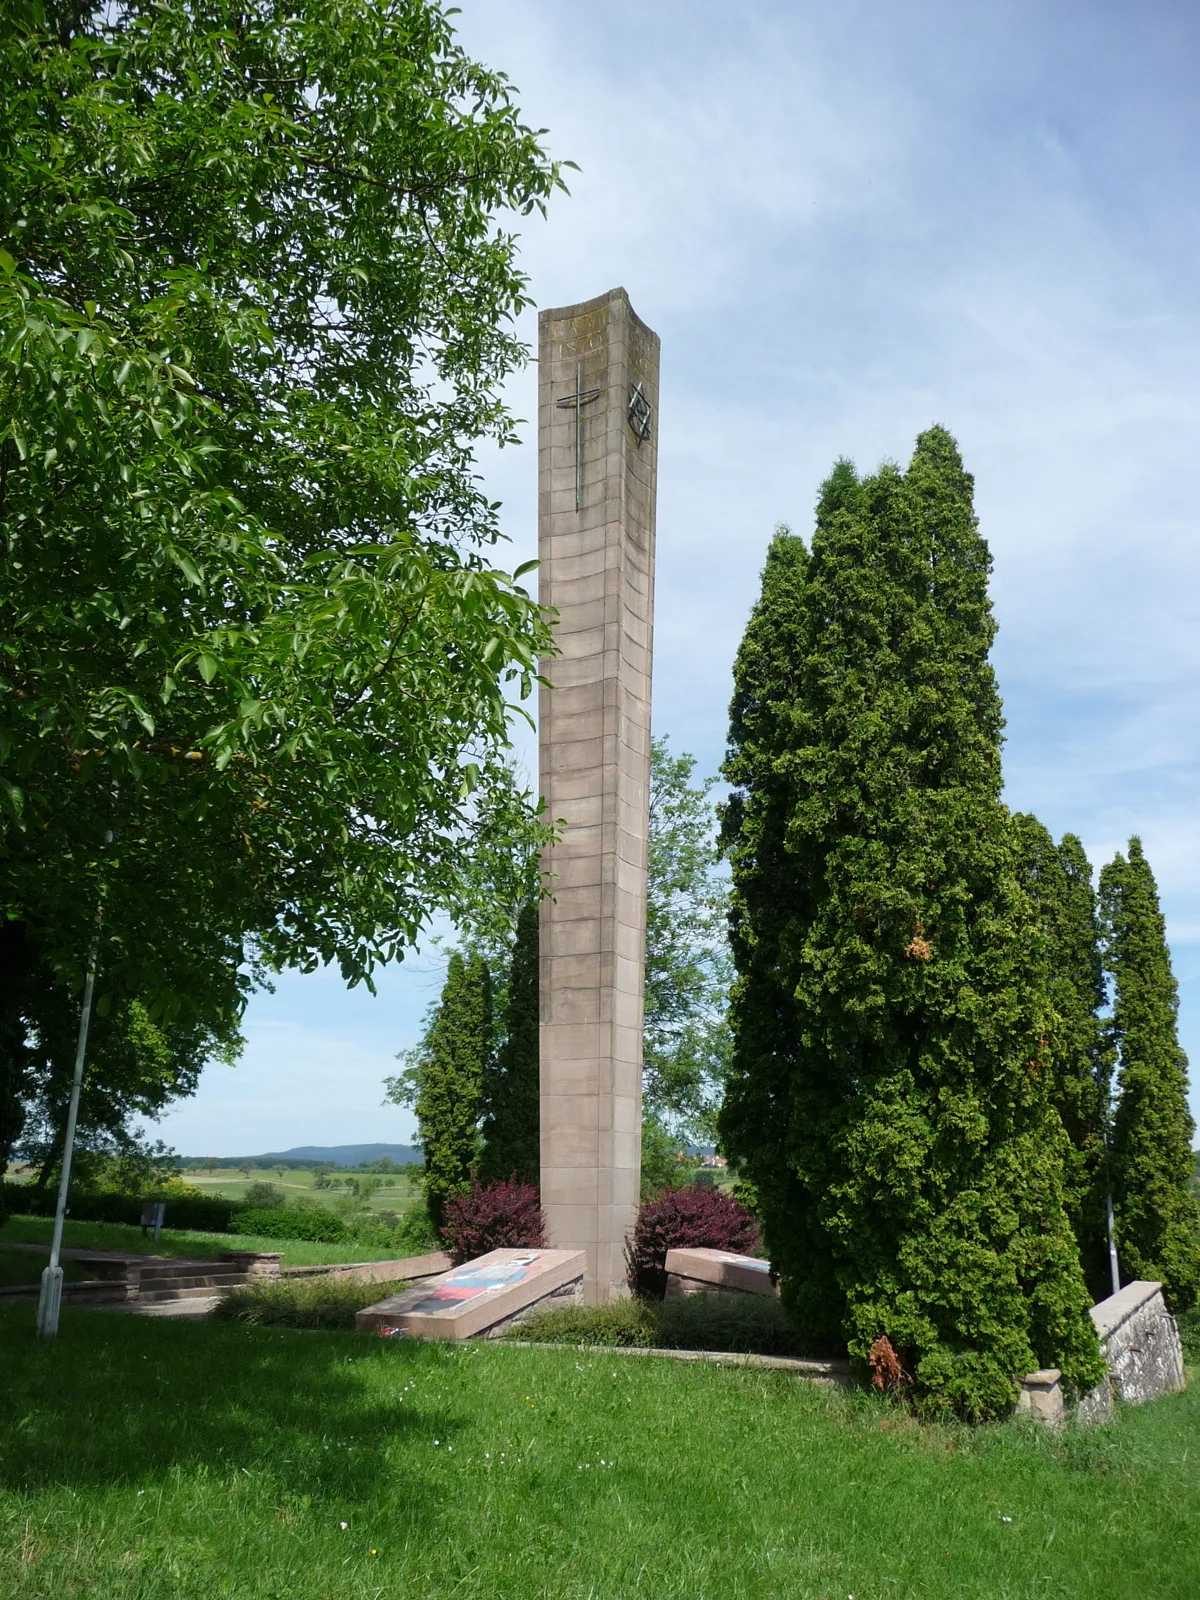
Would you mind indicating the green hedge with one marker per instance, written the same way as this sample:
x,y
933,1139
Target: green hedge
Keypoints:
x,y
320,1227
203,1214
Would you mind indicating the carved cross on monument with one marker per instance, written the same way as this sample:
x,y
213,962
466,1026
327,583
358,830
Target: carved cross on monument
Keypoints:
x,y
579,399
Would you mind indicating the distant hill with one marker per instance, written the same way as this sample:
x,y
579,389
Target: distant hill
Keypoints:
x,y
341,1155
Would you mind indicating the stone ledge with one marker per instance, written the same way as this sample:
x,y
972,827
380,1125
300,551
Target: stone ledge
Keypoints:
x,y
835,1374
1140,1343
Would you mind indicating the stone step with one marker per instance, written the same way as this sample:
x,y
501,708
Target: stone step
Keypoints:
x,y
208,1283
199,1291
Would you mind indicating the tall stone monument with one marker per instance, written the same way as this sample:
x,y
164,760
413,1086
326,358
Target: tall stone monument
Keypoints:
x,y
597,470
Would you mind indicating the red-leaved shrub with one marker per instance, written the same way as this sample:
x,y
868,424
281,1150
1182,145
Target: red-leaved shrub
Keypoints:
x,y
497,1216
699,1217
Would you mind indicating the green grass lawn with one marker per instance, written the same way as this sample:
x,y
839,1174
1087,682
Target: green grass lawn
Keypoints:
x,y
200,1461
181,1242
21,1269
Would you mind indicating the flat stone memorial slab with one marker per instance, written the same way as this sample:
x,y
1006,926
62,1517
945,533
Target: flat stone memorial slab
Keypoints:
x,y
475,1296
724,1270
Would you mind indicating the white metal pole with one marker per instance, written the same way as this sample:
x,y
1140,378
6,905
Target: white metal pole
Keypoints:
x,y
51,1295
1112,1246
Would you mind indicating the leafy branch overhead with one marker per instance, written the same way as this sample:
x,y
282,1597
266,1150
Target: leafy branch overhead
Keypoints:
x,y
255,312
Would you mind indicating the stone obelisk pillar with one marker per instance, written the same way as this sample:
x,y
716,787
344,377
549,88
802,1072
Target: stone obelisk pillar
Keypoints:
x,y
597,465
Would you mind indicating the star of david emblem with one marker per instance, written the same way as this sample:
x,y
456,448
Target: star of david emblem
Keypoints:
x,y
639,412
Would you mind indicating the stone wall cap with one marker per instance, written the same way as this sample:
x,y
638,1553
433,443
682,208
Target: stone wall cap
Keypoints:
x,y
1044,1377
1108,1315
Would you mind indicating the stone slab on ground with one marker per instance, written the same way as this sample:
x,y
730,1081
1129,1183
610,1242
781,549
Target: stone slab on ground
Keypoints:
x,y
474,1297
697,1270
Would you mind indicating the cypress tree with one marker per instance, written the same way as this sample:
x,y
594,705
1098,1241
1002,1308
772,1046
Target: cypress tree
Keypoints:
x,y
910,1177
1058,879
511,1096
449,1100
1157,1222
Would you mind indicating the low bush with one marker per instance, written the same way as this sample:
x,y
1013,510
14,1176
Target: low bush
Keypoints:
x,y
741,1324
622,1322
264,1197
302,1302
495,1216
321,1227
205,1214
697,1217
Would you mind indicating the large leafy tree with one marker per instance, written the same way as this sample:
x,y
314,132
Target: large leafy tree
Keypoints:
x,y
688,971
1058,879
890,1094
511,1085
255,662
1157,1218
455,1062
135,1067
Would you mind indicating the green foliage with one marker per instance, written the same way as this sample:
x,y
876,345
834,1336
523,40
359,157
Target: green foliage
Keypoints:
x,y
458,1053
889,1098
662,1166
256,309
319,1226
511,1127
688,971
310,1302
1157,1217
209,1213
135,1067
264,1197
738,1323
1059,882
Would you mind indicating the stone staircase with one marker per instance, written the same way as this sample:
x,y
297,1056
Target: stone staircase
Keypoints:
x,y
149,1280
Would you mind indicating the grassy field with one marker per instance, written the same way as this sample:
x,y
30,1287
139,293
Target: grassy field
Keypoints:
x,y
397,1194
153,1459
180,1242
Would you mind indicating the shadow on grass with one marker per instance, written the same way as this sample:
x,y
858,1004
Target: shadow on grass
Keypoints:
x,y
117,1400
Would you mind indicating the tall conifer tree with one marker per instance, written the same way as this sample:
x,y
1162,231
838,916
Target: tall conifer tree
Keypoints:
x,y
893,1105
451,1081
1058,880
511,1086
1157,1220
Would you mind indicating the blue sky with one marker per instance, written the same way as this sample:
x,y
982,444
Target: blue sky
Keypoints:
x,y
846,222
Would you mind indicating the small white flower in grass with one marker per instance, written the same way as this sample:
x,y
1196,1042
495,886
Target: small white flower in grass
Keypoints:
x,y
343,1526
1005,1519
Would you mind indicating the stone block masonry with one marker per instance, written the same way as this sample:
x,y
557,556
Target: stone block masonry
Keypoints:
x,y
597,476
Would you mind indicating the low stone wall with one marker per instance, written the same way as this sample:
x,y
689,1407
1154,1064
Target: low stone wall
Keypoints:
x,y
1140,1343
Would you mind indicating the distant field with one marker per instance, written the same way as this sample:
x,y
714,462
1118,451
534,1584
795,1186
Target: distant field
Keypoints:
x,y
398,1193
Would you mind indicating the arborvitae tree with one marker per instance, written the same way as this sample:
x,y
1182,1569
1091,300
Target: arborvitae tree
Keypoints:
x,y
770,894
459,1049
1059,882
511,1086
1157,1221
891,1099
